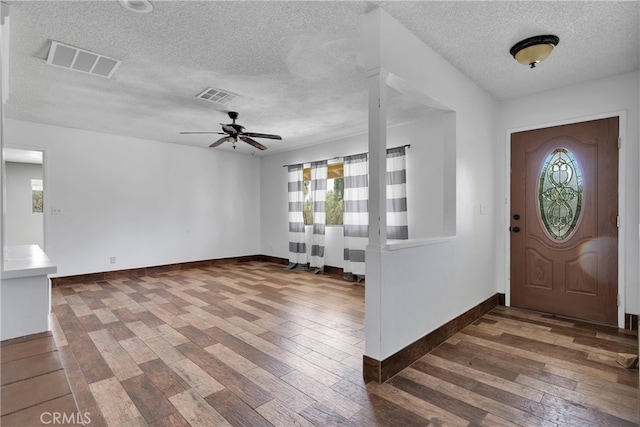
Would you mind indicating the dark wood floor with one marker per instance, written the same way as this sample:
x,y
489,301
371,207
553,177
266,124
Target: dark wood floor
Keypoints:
x,y
254,344
34,385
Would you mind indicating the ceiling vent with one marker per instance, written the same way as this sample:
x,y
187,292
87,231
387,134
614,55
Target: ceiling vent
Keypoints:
x,y
70,57
216,96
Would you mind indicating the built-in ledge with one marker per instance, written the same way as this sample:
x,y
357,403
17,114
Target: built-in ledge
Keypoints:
x,y
25,291
414,243
26,261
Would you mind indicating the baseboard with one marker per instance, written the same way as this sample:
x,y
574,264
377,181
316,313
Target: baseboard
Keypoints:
x,y
335,271
502,299
631,321
381,371
146,271
273,259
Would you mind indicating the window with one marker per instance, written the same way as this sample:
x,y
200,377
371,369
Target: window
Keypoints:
x,y
335,193
36,195
560,194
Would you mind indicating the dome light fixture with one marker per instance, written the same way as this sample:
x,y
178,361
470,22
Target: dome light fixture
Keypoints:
x,y
533,50
137,6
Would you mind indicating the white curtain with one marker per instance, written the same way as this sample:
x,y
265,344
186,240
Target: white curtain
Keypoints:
x,y
356,215
397,222
319,196
297,240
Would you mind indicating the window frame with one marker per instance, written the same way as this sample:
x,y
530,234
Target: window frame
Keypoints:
x,y
37,193
334,171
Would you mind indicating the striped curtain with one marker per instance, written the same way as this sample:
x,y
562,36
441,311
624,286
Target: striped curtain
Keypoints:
x,y
397,223
356,215
319,196
297,240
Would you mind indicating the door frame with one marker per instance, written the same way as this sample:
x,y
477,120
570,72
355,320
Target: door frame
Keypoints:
x,y
622,230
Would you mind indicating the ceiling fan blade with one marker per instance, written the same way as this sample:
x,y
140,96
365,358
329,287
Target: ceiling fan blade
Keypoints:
x,y
253,143
205,133
261,135
220,141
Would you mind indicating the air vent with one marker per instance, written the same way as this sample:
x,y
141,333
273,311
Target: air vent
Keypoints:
x,y
216,96
73,58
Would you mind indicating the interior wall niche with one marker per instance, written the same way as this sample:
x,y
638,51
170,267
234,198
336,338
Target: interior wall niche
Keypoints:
x,y
431,160
24,225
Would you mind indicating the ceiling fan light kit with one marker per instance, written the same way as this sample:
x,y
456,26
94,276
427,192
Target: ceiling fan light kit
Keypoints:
x,y
535,49
235,131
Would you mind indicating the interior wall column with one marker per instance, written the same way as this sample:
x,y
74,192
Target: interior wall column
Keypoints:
x,y
377,80
4,58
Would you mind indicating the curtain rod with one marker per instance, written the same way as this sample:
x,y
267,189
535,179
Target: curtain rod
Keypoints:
x,y
342,157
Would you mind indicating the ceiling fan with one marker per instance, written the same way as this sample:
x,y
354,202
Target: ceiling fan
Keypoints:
x,y
233,131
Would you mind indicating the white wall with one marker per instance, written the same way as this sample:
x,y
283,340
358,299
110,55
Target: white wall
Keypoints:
x,y
424,184
145,202
573,104
273,196
24,227
4,63
415,290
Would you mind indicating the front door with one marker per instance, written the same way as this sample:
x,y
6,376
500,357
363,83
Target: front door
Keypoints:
x,y
564,220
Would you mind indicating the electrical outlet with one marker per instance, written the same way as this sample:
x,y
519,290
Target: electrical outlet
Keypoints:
x,y
56,210
112,260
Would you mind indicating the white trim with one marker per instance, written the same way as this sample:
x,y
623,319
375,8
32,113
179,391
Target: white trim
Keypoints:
x,y
622,133
396,245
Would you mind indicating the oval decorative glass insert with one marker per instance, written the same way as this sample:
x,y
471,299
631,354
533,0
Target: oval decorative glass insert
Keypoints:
x,y
560,194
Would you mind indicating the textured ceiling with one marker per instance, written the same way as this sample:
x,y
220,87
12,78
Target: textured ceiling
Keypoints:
x,y
295,66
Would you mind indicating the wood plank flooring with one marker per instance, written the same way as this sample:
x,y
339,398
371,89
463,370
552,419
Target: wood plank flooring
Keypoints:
x,y
254,344
34,385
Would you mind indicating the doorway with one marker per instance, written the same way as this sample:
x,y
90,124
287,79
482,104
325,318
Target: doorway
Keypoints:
x,y
564,220
24,197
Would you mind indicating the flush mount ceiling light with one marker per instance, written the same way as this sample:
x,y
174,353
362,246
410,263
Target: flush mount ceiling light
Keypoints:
x,y
137,6
534,49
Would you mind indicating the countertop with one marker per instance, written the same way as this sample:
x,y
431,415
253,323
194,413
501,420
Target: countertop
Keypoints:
x,y
26,261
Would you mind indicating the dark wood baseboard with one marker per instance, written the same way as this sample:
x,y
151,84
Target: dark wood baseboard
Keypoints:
x,y
336,271
381,371
631,321
145,271
502,299
273,259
